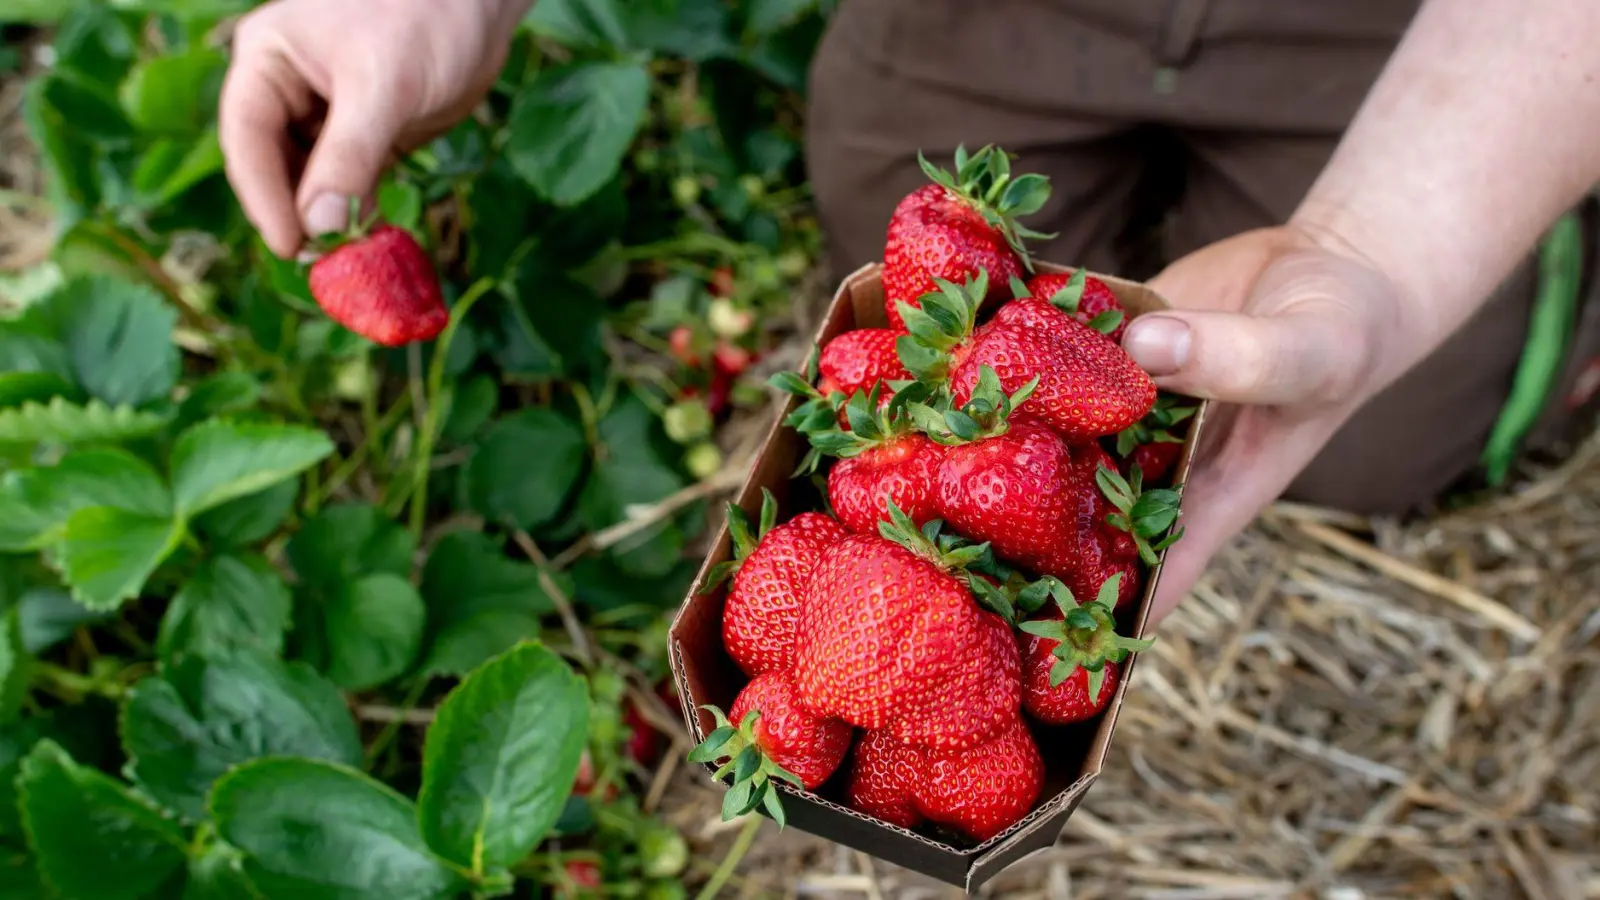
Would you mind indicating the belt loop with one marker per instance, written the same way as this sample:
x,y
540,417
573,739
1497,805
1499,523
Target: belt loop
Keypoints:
x,y
1180,32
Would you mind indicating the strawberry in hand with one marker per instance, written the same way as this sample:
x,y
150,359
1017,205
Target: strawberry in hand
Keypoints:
x,y
882,459
1072,660
1088,300
1150,445
379,283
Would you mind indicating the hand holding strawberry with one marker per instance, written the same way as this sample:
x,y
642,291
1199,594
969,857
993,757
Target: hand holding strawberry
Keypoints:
x,y
379,283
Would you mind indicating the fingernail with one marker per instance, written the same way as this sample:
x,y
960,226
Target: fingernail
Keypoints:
x,y
327,213
1159,344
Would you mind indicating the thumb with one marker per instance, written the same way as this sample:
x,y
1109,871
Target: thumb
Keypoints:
x,y
1301,357
355,146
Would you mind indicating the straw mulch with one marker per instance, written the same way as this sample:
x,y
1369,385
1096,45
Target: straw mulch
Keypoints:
x,y
1342,710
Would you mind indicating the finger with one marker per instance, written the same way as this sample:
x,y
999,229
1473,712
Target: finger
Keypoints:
x,y
355,146
253,119
1300,358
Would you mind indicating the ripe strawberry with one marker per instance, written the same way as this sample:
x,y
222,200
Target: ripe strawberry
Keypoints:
x,y
1116,536
882,459
644,741
882,779
771,571
1088,300
980,791
983,791
1152,444
1072,657
1009,483
1088,386
730,359
890,637
580,878
958,225
769,734
381,285
681,342
858,360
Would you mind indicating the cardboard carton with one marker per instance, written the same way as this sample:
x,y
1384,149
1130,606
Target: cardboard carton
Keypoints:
x,y
705,674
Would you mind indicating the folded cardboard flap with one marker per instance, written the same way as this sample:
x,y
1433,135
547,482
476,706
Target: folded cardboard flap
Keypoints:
x,y
705,674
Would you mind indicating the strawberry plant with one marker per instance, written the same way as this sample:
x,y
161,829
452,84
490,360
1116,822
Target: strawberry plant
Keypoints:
x,y
286,611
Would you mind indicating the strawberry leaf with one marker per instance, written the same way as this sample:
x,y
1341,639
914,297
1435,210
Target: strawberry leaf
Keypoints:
x,y
1107,322
1071,294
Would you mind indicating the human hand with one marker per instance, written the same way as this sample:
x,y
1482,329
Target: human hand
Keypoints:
x,y
1289,332
322,95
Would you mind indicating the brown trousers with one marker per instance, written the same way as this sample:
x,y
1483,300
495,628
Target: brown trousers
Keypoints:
x,y
1191,120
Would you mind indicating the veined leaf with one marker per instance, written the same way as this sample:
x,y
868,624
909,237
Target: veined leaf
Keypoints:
x,y
62,422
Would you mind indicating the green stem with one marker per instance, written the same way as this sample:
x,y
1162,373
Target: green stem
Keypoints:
x,y
430,425
377,430
392,728
63,681
741,846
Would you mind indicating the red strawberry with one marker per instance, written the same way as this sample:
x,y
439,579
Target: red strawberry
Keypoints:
x,y
771,571
958,225
1117,523
882,779
1152,444
644,741
581,879
891,637
769,734
681,341
1088,386
881,459
1072,657
381,285
1089,300
980,791
983,791
730,359
860,359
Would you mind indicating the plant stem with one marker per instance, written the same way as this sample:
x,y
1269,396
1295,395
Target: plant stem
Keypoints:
x,y
375,434
741,846
430,423
393,726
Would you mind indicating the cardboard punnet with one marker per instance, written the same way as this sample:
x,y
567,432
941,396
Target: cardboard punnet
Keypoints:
x,y
705,674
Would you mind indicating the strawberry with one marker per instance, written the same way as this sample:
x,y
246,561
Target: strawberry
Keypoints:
x,y
1151,444
1088,300
770,735
882,459
882,779
580,878
380,284
1012,484
730,359
771,572
958,225
891,637
979,792
1072,658
644,741
681,341
859,360
1116,536
1088,386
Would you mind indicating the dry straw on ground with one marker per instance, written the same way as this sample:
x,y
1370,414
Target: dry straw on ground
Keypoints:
x,y
1342,710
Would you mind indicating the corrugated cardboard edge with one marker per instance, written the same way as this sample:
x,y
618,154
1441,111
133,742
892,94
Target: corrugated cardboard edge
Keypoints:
x,y
853,306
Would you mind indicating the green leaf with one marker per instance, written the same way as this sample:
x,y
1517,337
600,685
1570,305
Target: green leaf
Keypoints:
x,y
14,666
217,461
107,554
495,475
64,422
36,503
248,519
479,602
341,543
628,470
230,603
571,125
315,830
588,24
17,388
501,757
175,94
174,165
217,873
19,879
472,404
219,393
92,837
695,30
374,630
118,336
48,615
190,724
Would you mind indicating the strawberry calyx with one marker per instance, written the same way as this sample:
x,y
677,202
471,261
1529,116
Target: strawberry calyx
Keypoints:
x,y
983,181
1145,514
753,770
744,541
872,424
947,551
1085,635
820,409
1156,426
986,414
942,321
